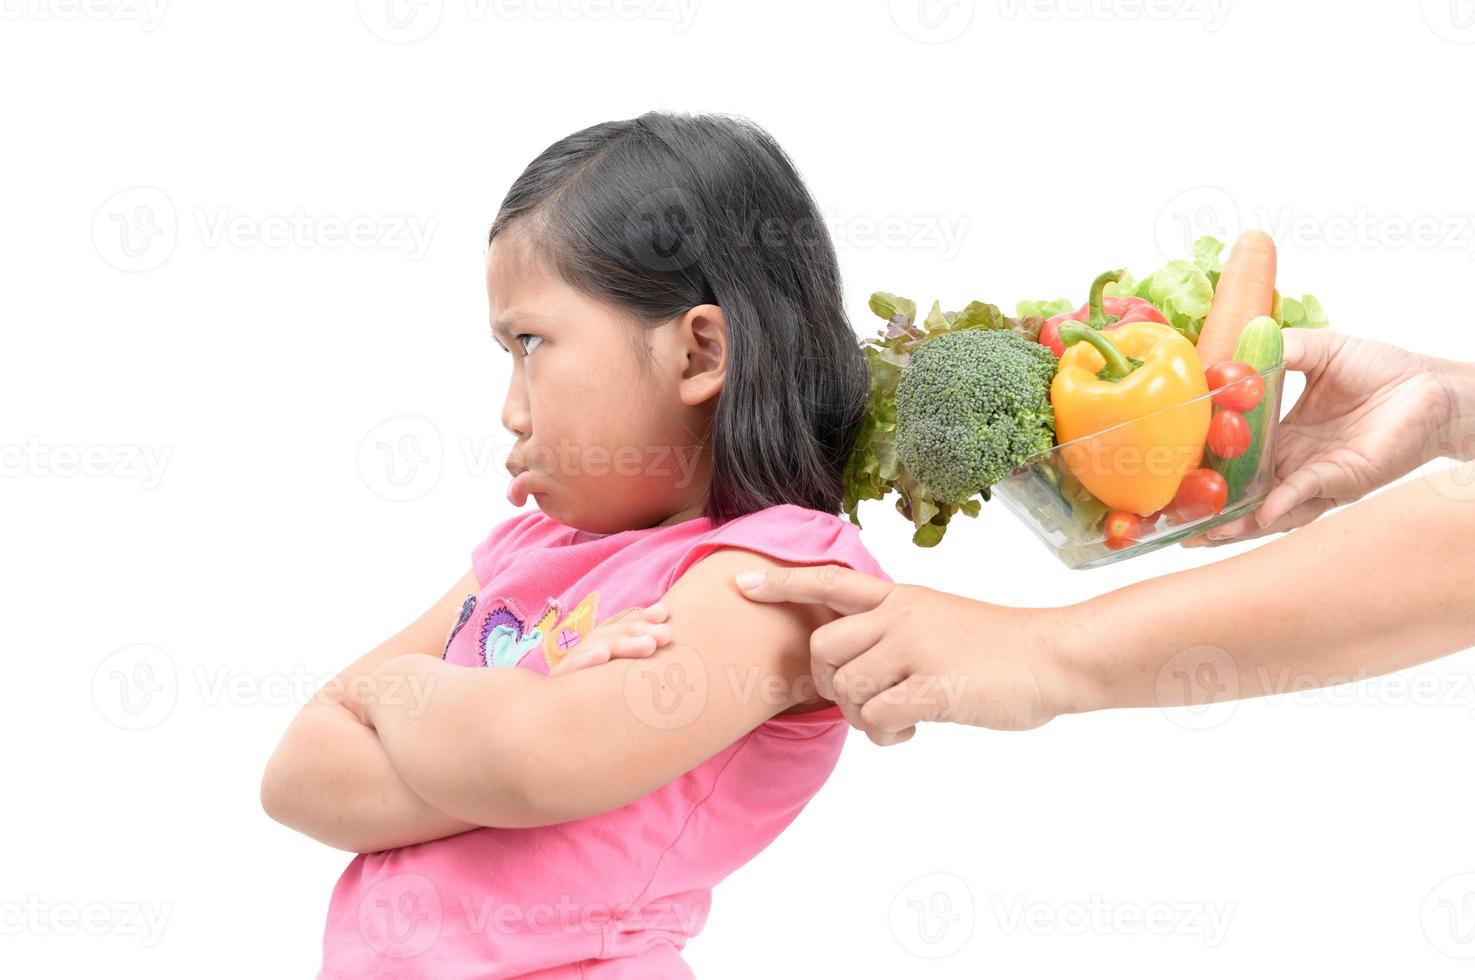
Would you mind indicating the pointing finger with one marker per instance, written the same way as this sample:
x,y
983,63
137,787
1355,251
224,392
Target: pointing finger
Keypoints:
x,y
844,590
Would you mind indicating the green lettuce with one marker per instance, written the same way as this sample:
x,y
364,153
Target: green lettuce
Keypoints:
x,y
1184,290
1045,308
1304,312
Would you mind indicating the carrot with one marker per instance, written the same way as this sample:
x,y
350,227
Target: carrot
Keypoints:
x,y
1246,290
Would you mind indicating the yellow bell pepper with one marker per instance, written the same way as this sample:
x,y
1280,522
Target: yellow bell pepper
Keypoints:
x,y
1128,413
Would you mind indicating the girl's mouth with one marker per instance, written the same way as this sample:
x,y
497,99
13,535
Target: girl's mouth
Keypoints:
x,y
517,490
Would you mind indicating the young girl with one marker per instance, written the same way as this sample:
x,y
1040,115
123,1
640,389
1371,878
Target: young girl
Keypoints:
x,y
685,391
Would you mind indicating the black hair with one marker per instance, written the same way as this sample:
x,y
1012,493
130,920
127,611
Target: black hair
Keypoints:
x,y
668,211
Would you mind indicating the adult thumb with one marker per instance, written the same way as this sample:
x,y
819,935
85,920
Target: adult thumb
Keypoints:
x,y
1307,349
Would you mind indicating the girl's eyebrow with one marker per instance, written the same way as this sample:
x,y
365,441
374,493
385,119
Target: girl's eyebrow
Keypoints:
x,y
508,326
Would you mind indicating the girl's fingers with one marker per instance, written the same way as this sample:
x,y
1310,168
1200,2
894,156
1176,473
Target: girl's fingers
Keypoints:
x,y
581,657
611,648
634,630
638,634
637,626
630,627
633,646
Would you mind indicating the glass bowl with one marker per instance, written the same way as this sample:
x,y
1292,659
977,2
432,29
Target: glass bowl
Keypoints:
x,y
1047,492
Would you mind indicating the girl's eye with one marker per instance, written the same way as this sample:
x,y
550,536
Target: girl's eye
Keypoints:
x,y
532,337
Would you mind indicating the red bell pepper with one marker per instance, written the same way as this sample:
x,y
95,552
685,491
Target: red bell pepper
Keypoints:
x,y
1101,312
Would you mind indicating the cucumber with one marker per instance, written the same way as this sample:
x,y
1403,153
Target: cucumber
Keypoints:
x,y
1260,346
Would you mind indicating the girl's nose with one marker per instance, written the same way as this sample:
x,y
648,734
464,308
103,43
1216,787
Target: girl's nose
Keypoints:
x,y
515,422
515,416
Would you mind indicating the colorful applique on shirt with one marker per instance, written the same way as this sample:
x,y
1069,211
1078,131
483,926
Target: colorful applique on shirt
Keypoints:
x,y
461,618
506,640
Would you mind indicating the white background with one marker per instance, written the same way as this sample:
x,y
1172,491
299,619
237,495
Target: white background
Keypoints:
x,y
996,150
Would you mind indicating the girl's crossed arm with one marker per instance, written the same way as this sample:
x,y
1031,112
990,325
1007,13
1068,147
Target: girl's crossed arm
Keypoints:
x,y
510,748
330,777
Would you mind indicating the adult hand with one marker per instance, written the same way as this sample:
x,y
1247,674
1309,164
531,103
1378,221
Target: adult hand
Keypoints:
x,y
901,654
1369,414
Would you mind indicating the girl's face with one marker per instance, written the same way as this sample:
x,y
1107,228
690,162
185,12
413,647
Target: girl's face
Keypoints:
x,y
611,439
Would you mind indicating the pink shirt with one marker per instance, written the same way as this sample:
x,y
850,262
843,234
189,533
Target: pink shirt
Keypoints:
x,y
619,894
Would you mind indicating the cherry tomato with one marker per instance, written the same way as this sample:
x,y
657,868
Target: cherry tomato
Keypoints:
x,y
1122,529
1246,386
1229,434
1202,492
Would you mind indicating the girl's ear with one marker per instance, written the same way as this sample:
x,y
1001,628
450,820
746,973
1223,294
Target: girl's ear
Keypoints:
x,y
701,334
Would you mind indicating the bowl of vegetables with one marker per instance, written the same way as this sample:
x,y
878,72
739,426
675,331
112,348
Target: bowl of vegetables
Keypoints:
x,y
1174,472
1143,417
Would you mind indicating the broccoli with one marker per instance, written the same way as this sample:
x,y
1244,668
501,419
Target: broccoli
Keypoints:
x,y
875,468
971,407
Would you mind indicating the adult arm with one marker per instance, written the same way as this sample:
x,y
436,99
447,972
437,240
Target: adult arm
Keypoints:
x,y
1380,585
1384,584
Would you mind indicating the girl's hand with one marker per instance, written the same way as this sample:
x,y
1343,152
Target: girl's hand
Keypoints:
x,y
638,633
900,654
